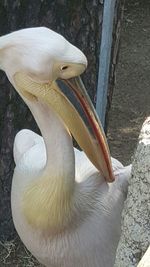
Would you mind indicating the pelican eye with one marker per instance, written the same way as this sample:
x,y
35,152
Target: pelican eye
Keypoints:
x,y
64,67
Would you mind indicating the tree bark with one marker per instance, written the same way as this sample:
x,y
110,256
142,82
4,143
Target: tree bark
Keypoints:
x,y
80,22
135,237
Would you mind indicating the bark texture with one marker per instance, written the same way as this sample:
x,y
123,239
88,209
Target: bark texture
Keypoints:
x,y
135,237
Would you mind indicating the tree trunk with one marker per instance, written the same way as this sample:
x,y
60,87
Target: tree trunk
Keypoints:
x,y
80,22
135,237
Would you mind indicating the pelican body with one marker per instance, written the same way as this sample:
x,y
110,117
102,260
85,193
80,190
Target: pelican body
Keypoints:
x,y
64,206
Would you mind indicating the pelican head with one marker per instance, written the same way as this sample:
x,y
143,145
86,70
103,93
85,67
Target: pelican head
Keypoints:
x,y
33,60
42,54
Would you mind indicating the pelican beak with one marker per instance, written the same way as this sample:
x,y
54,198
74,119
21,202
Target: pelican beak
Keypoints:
x,y
93,142
99,153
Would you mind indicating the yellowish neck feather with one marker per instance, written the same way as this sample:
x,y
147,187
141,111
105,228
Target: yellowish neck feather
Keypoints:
x,y
47,202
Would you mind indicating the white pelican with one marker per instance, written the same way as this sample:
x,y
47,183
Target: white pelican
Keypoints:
x,y
64,210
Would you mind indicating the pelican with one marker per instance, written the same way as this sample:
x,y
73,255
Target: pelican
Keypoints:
x,y
66,204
